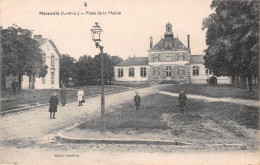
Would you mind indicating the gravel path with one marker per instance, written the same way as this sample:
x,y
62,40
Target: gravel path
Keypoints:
x,y
248,102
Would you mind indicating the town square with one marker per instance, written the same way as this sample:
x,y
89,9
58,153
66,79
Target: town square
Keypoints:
x,y
129,82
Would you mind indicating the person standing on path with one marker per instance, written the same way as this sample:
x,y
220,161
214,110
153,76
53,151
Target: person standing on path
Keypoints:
x,y
63,93
53,105
182,100
14,86
80,97
137,100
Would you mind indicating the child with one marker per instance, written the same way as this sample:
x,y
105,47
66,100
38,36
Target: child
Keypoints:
x,y
137,100
182,100
53,104
80,97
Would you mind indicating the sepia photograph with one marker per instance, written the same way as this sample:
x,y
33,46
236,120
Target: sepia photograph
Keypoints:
x,y
140,82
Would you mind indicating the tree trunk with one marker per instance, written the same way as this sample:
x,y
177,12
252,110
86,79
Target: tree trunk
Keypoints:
x,y
3,81
249,83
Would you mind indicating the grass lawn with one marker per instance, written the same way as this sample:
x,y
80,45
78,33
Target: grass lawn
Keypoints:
x,y
154,108
213,91
133,85
40,96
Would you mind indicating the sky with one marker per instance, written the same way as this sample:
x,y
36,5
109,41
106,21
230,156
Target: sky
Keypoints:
x,y
126,35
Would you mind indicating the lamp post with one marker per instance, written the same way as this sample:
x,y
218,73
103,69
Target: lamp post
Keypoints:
x,y
95,32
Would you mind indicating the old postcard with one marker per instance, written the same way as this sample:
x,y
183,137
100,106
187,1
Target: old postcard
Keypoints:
x,y
129,82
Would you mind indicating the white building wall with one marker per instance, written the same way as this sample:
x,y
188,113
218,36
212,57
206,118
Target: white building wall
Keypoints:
x,y
202,77
49,51
137,76
25,82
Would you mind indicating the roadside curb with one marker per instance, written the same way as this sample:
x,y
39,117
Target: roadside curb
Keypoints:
x,y
63,138
47,104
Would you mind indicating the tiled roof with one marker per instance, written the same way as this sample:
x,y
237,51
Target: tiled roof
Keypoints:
x,y
196,59
169,44
43,40
55,48
134,61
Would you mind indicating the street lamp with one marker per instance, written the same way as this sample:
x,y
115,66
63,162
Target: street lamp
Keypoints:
x,y
95,32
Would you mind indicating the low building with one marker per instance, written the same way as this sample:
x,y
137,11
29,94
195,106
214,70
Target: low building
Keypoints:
x,y
132,70
168,60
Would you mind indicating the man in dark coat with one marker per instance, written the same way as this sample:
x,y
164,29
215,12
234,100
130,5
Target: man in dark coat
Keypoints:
x,y
53,105
14,86
182,100
137,100
63,93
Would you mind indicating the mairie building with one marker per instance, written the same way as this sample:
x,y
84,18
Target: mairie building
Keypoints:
x,y
169,60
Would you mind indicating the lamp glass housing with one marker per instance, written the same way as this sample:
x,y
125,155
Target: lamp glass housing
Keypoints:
x,y
96,32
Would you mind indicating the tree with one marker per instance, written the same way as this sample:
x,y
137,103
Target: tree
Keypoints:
x,y
67,68
21,54
84,70
233,40
109,63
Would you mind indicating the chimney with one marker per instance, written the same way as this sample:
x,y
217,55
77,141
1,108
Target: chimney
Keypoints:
x,y
37,36
151,42
188,40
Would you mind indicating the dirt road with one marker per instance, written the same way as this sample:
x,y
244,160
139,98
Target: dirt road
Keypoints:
x,y
35,123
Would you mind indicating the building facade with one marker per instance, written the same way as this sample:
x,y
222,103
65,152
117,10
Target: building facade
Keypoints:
x,y
168,60
51,58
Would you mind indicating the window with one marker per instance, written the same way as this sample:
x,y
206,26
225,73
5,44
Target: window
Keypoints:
x,y
52,77
131,72
120,72
143,72
52,60
195,70
208,71
44,58
156,72
43,80
156,59
181,56
168,58
168,71
181,72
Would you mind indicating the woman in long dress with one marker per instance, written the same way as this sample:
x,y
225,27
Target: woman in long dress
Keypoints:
x,y
80,97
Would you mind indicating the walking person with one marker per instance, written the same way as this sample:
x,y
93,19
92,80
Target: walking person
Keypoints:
x,y
14,85
63,93
80,97
53,105
182,100
137,100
